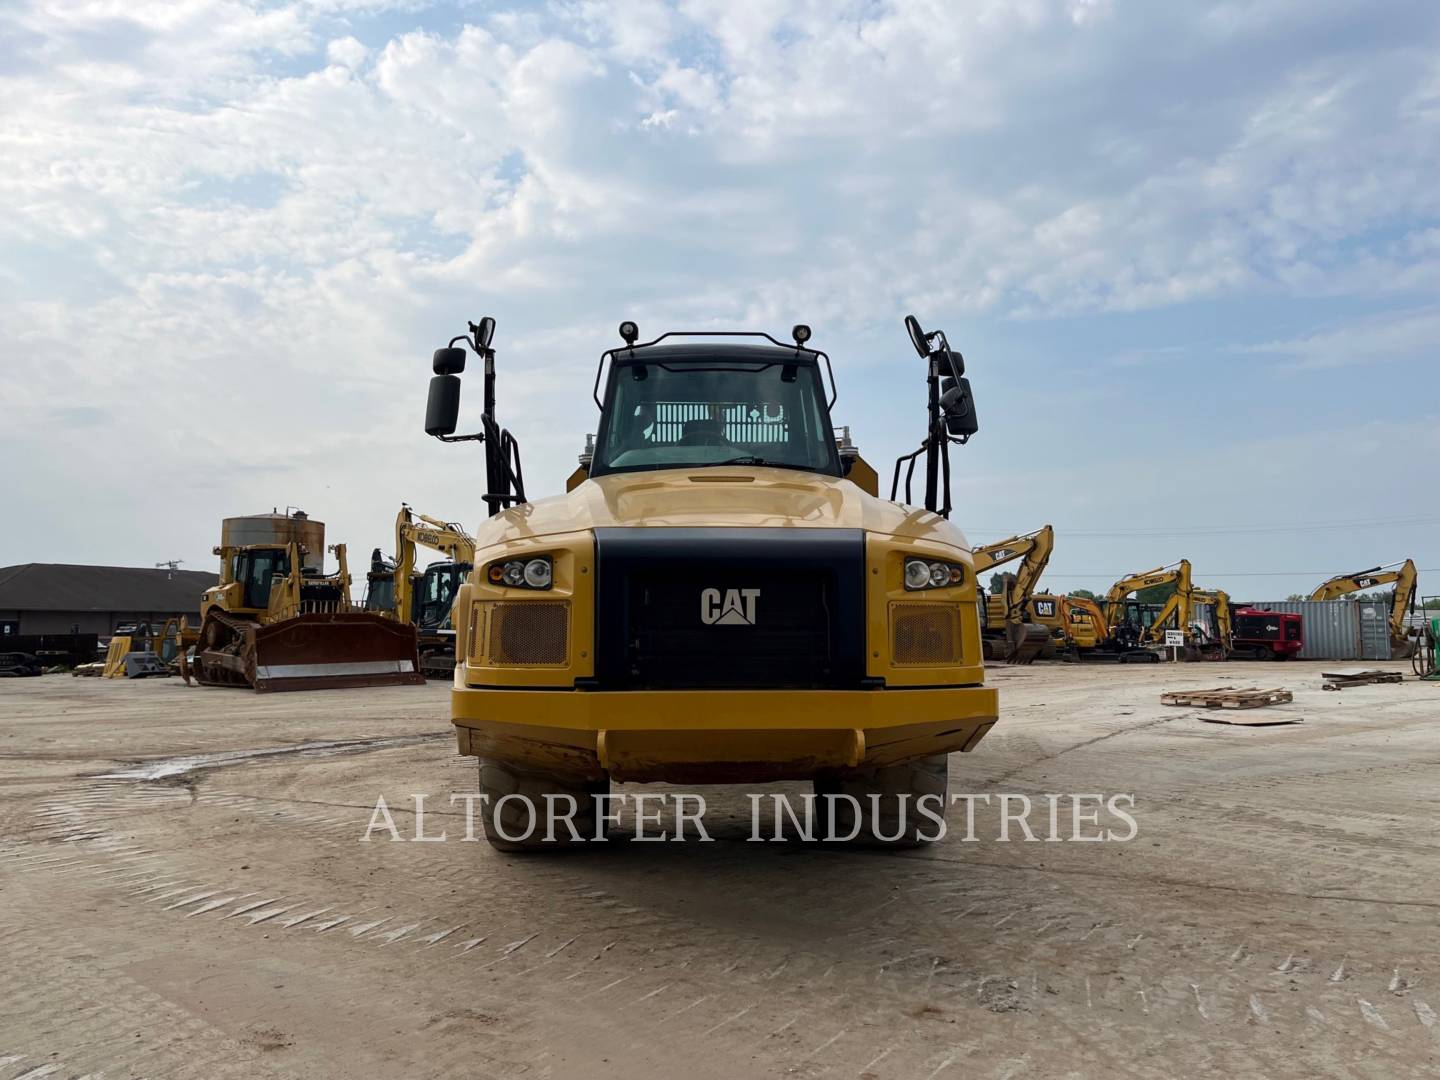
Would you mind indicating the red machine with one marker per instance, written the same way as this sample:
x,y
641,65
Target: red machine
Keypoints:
x,y
1266,635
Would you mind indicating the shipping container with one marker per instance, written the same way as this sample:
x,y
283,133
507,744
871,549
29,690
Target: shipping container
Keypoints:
x,y
1338,629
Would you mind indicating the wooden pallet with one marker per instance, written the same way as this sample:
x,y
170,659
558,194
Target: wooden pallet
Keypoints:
x,y
1341,680
1226,697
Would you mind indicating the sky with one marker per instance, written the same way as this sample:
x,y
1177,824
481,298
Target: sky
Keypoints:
x,y
1191,254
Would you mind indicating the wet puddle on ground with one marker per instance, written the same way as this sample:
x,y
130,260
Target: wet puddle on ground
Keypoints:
x,y
167,768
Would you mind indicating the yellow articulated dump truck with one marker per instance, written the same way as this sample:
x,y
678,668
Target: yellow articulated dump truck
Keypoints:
x,y
721,596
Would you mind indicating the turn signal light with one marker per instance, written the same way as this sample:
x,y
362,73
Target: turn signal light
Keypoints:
x,y
533,573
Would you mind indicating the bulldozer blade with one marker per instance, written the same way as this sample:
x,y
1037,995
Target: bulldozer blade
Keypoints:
x,y
320,651
1026,641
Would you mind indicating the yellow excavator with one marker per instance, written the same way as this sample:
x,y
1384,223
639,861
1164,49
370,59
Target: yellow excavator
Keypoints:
x,y
1403,575
1083,623
425,599
276,621
1213,643
1132,639
1006,628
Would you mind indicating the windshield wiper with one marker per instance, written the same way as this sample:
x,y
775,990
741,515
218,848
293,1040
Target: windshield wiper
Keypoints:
x,y
752,459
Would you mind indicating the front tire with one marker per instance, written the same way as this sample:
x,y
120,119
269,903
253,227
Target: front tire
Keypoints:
x,y
520,823
887,799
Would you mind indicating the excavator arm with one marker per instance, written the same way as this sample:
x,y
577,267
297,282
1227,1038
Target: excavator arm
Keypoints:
x,y
1025,640
1035,549
1177,607
1219,599
1403,575
412,530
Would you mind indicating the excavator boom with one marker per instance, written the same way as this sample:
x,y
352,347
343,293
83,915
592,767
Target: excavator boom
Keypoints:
x,y
1024,640
1405,578
439,584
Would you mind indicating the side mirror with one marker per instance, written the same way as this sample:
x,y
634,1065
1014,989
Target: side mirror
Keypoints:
x,y
484,331
917,335
442,409
448,361
958,405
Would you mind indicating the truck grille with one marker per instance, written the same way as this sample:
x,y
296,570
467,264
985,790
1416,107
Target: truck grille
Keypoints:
x,y
530,633
924,634
729,608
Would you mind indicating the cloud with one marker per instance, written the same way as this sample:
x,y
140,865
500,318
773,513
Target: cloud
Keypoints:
x,y
240,229
1400,335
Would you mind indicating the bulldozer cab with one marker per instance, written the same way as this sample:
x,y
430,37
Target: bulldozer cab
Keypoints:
x,y
255,571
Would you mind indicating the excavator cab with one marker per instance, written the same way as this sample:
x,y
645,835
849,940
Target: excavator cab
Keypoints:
x,y
442,580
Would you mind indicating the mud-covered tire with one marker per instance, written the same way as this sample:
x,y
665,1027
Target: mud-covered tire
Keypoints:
x,y
505,820
881,793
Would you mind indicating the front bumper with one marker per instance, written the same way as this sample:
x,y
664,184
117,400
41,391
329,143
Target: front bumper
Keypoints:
x,y
717,736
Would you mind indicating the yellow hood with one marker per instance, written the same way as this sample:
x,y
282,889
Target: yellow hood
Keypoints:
x,y
718,496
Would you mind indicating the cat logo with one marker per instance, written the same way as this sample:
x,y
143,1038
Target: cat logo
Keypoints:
x,y
735,608
1001,554
1365,582
1045,608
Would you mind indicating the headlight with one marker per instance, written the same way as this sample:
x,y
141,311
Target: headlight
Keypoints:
x,y
533,573
932,574
917,574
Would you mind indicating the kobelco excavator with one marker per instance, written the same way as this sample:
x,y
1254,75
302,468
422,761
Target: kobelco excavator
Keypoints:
x,y
276,621
425,599
721,597
1007,631
1132,639
1403,575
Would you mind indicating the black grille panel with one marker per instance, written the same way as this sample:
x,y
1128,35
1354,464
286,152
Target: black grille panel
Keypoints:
x,y
730,608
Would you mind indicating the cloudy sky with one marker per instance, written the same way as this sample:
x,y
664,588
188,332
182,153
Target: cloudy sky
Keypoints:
x,y
1190,251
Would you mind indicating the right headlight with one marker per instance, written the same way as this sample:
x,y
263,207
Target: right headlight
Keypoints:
x,y
932,574
531,572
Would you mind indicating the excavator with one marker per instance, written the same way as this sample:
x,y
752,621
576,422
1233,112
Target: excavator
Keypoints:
x,y
1213,643
1131,641
1006,631
276,621
425,598
1403,575
1083,626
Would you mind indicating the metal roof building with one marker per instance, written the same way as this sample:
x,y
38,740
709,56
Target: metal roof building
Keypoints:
x,y
62,598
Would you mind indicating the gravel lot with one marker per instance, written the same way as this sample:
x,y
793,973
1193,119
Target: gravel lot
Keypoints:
x,y
1276,914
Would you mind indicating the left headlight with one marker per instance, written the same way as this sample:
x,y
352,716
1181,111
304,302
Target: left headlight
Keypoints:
x,y
932,574
533,572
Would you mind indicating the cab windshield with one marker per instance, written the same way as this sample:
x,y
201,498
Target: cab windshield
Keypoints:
x,y
437,593
667,415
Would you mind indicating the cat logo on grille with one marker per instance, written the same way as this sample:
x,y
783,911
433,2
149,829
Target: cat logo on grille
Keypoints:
x,y
736,607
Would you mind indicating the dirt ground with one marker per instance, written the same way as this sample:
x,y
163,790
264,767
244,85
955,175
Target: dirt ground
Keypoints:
x,y
1276,914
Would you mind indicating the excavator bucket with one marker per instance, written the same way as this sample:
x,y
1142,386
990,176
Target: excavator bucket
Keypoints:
x,y
308,652
1026,642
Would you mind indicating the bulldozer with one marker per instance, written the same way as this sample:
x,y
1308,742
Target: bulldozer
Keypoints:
x,y
1007,631
276,621
721,597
